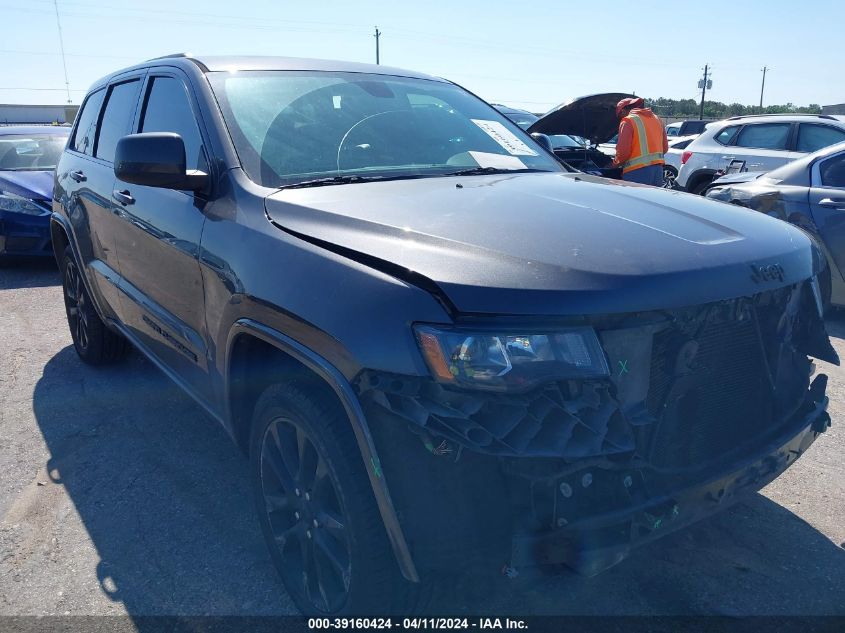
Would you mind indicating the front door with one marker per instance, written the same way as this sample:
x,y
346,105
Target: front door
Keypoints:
x,y
163,300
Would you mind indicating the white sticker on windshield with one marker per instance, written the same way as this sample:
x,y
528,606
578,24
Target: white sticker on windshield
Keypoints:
x,y
496,161
504,137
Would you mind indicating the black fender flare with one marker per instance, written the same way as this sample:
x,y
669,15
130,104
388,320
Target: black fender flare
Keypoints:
x,y
337,381
65,227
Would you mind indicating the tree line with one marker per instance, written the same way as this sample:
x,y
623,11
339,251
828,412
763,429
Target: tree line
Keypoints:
x,y
689,108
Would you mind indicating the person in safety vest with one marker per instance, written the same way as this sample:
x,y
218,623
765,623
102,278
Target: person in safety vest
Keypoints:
x,y
641,144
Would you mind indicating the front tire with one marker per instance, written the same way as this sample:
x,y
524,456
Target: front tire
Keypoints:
x,y
94,342
316,507
701,186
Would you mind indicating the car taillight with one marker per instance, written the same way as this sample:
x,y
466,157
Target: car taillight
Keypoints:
x,y
685,157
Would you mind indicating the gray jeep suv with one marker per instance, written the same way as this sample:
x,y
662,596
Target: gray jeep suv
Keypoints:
x,y
440,347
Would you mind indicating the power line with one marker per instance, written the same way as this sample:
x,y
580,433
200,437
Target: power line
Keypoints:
x,y
42,89
11,51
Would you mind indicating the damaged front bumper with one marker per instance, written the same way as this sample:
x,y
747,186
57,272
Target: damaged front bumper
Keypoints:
x,y
703,404
593,544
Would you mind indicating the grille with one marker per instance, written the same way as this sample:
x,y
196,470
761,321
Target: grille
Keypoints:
x,y
710,394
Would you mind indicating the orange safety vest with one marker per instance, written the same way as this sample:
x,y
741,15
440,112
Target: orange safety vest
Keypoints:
x,y
647,144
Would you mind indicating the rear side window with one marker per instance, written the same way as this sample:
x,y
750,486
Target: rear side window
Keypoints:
x,y
833,172
812,137
86,128
681,144
726,136
764,136
117,117
169,110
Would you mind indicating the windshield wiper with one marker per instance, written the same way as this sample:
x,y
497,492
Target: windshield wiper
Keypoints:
x,y
471,171
351,178
331,180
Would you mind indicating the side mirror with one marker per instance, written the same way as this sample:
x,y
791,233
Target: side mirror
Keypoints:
x,y
543,140
156,159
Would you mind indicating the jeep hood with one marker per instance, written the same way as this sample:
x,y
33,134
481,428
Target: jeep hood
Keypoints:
x,y
548,243
592,117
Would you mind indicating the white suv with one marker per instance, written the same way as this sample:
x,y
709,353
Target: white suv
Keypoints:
x,y
757,143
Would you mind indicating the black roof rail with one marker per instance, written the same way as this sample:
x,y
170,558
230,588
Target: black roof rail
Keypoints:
x,y
181,56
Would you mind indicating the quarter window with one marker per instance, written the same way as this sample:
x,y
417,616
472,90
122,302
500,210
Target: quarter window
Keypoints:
x,y
726,136
86,128
833,172
812,137
117,118
764,136
169,110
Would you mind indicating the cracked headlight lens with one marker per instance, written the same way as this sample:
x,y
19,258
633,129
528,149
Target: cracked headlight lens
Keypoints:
x,y
510,361
19,204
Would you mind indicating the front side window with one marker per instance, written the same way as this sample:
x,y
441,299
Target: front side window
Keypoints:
x,y
813,137
167,109
295,126
764,136
30,152
117,117
726,136
86,127
832,172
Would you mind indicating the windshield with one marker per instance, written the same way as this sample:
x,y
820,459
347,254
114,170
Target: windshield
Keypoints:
x,y
297,126
30,152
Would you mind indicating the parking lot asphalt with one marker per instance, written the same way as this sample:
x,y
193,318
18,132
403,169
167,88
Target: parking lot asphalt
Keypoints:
x,y
118,495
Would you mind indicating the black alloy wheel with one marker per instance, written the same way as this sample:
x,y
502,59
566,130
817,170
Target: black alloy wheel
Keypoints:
x,y
95,343
76,306
305,516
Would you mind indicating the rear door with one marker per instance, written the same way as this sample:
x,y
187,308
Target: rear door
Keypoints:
x,y
763,146
827,204
86,177
158,242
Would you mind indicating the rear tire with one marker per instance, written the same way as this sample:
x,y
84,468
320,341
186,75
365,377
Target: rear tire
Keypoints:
x,y
316,507
95,343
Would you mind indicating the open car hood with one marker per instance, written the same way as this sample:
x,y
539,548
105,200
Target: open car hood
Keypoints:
x,y
592,117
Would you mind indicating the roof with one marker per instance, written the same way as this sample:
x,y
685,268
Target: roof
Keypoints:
x,y
221,63
790,115
34,129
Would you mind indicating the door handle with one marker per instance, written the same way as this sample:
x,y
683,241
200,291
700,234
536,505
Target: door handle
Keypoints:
x,y
123,197
837,203
78,176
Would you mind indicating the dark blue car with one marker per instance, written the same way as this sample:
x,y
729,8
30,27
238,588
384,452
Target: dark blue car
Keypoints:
x,y
28,156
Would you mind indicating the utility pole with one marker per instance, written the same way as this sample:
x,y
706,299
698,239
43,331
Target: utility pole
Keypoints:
x,y
762,88
62,47
704,84
377,35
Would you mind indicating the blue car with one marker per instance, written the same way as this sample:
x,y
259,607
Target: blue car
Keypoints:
x,y
28,156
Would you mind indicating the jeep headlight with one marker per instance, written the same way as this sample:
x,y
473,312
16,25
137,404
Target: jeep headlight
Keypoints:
x,y
510,360
19,204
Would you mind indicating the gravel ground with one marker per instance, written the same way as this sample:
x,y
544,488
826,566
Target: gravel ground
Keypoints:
x,y
118,495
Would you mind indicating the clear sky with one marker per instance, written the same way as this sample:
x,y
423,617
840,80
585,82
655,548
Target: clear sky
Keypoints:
x,y
532,55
